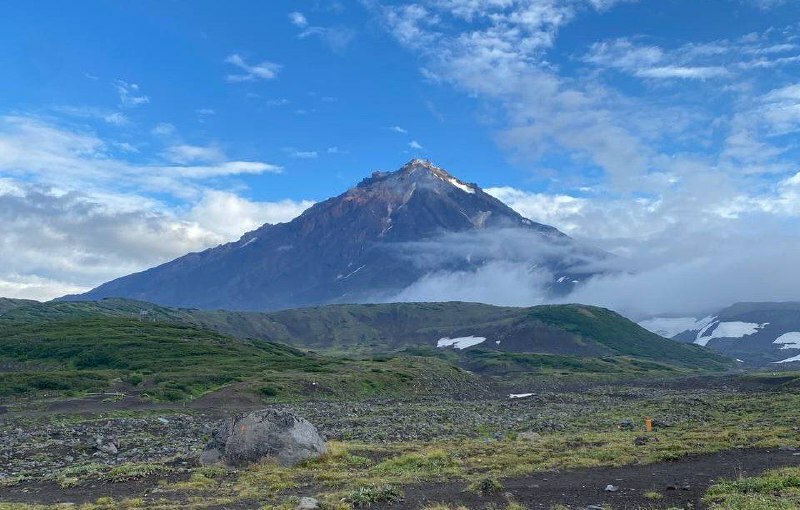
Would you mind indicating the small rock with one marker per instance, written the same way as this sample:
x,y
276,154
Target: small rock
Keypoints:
x,y
626,424
529,436
109,448
643,440
611,488
163,420
307,504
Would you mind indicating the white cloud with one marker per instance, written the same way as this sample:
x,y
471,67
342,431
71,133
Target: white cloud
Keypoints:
x,y
303,154
262,71
413,144
683,72
184,153
163,129
56,241
109,116
398,129
765,5
695,61
230,215
129,94
298,19
336,38
781,109
45,152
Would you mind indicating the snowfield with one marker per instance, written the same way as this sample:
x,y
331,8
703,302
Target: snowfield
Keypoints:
x,y
789,340
461,342
733,329
789,360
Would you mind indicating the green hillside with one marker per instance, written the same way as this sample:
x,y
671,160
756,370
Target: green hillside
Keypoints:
x,y
559,330
172,361
7,304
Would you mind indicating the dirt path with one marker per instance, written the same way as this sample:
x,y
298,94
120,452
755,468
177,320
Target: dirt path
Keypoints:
x,y
682,484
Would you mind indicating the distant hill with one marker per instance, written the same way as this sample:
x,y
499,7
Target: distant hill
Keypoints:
x,y
365,245
562,330
70,353
9,304
758,334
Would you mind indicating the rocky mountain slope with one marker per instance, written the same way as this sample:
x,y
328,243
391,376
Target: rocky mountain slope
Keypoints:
x,y
569,331
365,245
757,334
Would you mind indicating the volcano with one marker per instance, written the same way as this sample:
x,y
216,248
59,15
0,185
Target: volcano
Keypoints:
x,y
365,245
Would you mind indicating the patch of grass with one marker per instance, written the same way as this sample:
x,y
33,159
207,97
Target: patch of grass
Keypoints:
x,y
774,490
135,471
487,486
367,495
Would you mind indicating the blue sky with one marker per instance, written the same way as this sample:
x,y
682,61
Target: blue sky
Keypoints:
x,y
132,132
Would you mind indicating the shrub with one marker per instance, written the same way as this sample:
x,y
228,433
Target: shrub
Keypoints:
x,y
487,486
367,495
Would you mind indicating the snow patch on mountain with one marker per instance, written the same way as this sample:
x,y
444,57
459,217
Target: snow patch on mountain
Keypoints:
x,y
461,342
462,187
734,329
789,340
789,360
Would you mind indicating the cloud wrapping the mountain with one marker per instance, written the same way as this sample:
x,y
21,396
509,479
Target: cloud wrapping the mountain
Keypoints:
x,y
696,203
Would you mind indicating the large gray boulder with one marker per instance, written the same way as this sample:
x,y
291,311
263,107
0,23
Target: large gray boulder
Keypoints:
x,y
266,434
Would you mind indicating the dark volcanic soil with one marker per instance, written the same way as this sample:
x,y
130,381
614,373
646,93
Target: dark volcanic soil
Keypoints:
x,y
681,483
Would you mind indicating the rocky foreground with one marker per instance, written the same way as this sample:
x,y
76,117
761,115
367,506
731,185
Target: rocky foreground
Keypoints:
x,y
459,450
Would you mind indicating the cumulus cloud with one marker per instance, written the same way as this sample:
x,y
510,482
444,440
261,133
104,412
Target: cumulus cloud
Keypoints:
x,y
75,213
56,241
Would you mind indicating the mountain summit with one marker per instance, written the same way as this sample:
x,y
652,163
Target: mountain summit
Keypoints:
x,y
366,244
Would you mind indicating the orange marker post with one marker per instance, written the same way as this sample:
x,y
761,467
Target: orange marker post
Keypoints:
x,y
648,424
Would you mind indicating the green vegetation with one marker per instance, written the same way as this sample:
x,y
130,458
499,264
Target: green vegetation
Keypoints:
x,y
487,486
561,331
365,496
775,490
7,304
170,354
510,363
167,361
623,337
